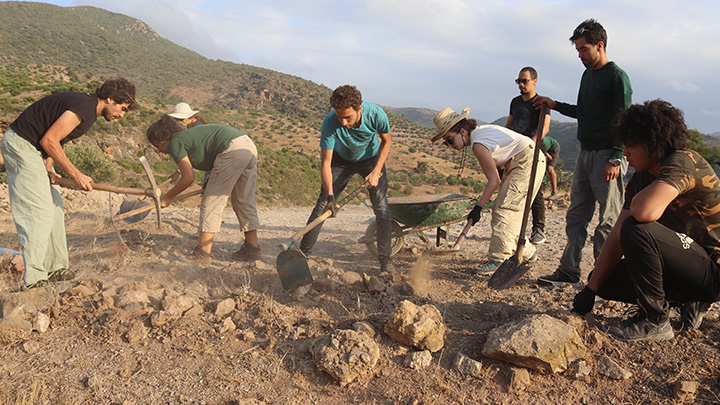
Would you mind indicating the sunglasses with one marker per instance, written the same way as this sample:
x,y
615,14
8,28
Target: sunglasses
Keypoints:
x,y
449,141
523,81
580,32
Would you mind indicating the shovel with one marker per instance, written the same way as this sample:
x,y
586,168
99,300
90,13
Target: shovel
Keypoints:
x,y
513,268
292,266
133,203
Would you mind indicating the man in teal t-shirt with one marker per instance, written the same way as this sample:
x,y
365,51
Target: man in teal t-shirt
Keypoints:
x,y
604,91
355,138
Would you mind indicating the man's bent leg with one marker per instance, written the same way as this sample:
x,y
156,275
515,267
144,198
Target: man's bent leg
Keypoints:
x,y
342,172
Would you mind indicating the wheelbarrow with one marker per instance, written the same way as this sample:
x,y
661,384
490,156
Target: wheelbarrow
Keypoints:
x,y
416,214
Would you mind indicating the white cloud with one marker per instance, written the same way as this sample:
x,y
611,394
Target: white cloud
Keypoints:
x,y
435,53
686,86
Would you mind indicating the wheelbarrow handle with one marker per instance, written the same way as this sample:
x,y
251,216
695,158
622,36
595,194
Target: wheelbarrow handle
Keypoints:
x,y
289,242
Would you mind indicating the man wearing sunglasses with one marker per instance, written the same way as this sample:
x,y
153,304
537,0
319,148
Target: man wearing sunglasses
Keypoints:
x,y
524,119
604,92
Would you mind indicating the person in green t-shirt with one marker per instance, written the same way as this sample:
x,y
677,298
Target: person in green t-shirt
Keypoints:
x,y
665,245
553,156
231,158
597,181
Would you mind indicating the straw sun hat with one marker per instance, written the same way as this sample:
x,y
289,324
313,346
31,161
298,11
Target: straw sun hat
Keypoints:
x,y
182,111
446,119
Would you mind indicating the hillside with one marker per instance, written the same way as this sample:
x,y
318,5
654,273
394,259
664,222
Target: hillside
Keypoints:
x,y
282,113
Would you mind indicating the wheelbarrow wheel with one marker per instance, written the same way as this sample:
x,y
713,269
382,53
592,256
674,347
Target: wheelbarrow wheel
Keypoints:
x,y
395,244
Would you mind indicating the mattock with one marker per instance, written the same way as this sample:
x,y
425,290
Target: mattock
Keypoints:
x,y
153,191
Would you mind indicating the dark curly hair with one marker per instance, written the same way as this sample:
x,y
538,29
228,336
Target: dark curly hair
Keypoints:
x,y
592,31
162,130
345,97
119,90
656,125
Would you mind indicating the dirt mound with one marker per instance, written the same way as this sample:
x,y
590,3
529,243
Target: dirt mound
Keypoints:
x,y
141,326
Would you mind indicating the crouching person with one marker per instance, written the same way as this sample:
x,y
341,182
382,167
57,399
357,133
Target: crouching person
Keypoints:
x,y
231,157
665,245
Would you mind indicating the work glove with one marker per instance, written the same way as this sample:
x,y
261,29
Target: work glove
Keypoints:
x,y
474,215
584,301
331,206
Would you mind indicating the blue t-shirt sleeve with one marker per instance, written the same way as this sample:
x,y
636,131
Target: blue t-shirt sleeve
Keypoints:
x,y
327,132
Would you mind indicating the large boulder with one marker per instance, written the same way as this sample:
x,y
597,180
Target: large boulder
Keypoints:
x,y
345,355
26,303
420,327
539,342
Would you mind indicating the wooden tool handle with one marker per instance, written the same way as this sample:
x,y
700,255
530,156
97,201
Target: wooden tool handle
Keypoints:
x,y
104,187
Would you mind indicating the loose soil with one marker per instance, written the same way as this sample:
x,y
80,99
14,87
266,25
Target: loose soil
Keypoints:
x,y
97,352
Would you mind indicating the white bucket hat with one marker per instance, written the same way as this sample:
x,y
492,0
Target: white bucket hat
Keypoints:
x,y
182,111
446,119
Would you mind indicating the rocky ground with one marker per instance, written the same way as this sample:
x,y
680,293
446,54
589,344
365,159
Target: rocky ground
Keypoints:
x,y
141,326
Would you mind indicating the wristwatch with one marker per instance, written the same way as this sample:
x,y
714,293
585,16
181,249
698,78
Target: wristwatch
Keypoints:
x,y
615,162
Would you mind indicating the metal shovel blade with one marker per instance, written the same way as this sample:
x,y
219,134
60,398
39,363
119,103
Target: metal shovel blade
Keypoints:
x,y
131,204
507,274
292,267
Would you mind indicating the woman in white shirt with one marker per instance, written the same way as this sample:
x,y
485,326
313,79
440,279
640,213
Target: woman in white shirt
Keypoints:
x,y
495,146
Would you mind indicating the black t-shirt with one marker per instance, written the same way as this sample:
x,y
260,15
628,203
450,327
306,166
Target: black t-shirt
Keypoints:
x,y
33,123
525,116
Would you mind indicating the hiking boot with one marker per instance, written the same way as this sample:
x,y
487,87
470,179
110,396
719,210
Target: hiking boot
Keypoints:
x,y
61,275
247,252
559,278
533,257
537,237
641,328
487,269
37,284
691,314
199,256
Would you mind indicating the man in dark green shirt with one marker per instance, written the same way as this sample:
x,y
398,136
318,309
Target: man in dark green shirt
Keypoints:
x,y
604,91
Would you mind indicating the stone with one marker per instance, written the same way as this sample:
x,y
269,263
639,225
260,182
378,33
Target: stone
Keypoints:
x,y
41,322
519,379
579,369
609,368
467,366
136,333
194,311
82,291
364,327
31,347
224,307
418,360
539,342
132,299
350,277
160,318
24,304
374,284
226,326
13,330
177,305
684,391
345,355
420,327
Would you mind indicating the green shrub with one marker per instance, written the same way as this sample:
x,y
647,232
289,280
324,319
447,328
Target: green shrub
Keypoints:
x,y
88,159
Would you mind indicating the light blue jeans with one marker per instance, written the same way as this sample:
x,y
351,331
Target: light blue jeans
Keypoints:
x,y
37,209
589,189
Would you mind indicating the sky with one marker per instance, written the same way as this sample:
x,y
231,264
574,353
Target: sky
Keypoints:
x,y
454,53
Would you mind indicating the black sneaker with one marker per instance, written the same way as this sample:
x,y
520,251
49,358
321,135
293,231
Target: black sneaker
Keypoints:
x,y
61,275
559,278
537,237
641,328
692,314
37,284
247,252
